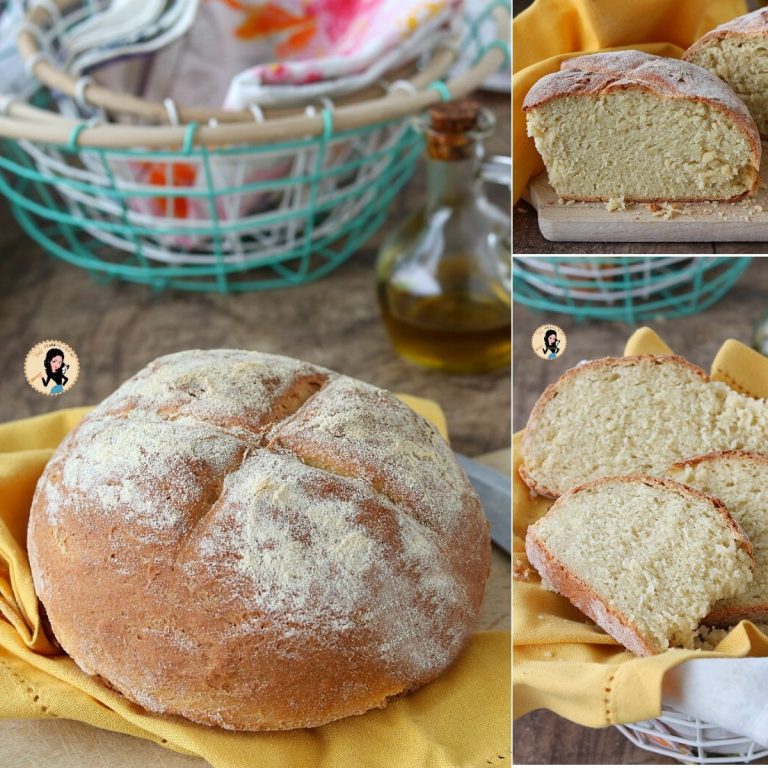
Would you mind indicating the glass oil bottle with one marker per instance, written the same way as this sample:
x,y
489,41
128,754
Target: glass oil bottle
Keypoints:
x,y
443,276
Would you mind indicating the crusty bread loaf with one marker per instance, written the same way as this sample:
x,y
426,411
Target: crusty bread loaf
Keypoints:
x,y
740,480
644,558
629,415
640,127
737,52
254,542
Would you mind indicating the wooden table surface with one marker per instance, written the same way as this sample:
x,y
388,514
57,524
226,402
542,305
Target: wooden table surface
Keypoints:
x,y
117,328
542,737
526,237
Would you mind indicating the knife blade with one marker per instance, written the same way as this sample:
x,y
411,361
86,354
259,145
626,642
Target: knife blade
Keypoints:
x,y
495,492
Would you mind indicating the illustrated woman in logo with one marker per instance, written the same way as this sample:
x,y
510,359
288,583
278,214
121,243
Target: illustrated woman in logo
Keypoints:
x,y
551,345
55,371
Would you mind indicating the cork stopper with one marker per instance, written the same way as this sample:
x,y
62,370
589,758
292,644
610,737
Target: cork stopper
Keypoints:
x,y
450,123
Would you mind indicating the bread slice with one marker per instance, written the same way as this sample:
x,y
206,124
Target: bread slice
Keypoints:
x,y
737,52
740,480
643,557
630,415
642,127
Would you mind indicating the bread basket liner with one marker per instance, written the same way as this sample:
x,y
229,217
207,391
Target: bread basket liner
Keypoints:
x,y
460,719
551,31
561,660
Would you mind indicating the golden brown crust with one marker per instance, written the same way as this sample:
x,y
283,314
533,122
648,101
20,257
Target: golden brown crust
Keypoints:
x,y
585,598
760,458
605,73
186,553
602,74
750,26
570,586
726,615
553,390
534,486
754,24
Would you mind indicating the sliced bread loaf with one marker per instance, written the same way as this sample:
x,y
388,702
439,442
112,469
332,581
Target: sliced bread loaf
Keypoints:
x,y
642,127
645,558
737,52
740,480
630,415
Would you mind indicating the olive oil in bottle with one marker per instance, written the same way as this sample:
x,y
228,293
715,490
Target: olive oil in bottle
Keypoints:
x,y
443,277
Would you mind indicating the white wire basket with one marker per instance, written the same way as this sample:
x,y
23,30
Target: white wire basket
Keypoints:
x,y
692,741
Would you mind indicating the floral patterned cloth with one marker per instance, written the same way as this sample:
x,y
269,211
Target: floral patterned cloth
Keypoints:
x,y
240,53
342,44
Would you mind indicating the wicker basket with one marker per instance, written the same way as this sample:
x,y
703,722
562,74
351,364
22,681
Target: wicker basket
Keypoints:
x,y
632,288
210,200
692,741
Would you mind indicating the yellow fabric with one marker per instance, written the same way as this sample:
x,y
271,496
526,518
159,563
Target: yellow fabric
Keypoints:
x,y
461,719
561,660
551,31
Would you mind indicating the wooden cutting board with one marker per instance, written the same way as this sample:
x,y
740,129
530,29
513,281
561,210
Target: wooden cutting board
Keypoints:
x,y
745,220
70,744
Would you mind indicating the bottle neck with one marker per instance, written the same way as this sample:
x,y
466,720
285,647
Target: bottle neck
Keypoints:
x,y
452,182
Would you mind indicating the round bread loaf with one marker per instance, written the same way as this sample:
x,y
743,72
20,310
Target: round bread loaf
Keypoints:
x,y
254,542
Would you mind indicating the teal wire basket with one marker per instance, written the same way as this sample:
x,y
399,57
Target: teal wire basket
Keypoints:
x,y
187,207
631,289
128,213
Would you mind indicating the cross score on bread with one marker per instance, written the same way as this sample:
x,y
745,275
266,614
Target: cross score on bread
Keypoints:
x,y
255,542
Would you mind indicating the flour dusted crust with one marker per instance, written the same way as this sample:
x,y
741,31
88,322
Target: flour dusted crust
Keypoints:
x,y
254,542
602,74
571,586
735,52
754,24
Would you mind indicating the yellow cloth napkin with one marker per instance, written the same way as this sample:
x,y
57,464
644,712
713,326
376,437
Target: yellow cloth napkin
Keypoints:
x,y
561,660
461,719
551,31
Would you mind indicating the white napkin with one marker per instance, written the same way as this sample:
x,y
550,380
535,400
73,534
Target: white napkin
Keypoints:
x,y
731,693
15,80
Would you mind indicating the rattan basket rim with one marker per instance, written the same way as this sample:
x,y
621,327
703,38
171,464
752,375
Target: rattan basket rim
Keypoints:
x,y
117,102
22,121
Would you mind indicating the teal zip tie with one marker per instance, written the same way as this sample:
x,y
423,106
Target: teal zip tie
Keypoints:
x,y
74,136
441,88
189,138
327,123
